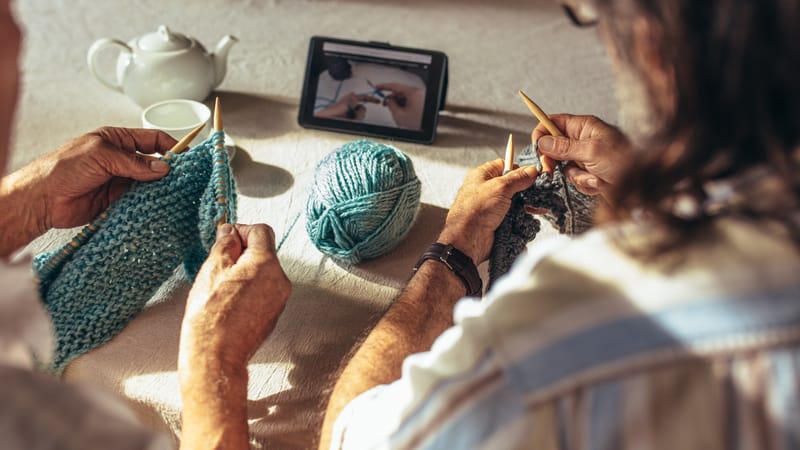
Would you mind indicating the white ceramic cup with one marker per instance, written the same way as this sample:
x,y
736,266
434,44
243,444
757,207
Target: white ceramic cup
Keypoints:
x,y
177,118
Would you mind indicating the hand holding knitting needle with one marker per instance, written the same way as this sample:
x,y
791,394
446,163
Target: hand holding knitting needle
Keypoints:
x,y
599,150
73,184
481,205
233,306
510,165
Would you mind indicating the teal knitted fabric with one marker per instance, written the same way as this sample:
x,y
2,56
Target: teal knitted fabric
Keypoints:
x,y
362,202
97,283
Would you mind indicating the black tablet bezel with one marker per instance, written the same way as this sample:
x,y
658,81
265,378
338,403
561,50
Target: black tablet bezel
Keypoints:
x,y
434,98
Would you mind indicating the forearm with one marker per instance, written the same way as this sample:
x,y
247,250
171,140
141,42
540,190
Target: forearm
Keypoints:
x,y
20,217
418,316
214,407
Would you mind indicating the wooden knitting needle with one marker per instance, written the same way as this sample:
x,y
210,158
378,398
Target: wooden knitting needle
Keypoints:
x,y
218,127
547,163
509,162
217,115
183,144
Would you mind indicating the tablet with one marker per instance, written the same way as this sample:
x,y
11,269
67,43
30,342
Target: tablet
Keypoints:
x,y
373,89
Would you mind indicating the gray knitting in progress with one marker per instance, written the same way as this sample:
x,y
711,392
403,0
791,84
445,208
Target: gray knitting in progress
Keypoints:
x,y
569,211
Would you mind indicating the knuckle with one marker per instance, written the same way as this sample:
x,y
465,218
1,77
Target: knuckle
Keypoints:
x,y
262,228
104,132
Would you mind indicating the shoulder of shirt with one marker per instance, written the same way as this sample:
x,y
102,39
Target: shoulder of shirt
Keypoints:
x,y
577,297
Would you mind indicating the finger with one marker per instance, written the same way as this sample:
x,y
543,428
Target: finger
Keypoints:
x,y
518,180
487,171
368,98
138,167
584,181
137,139
575,126
538,132
566,149
257,237
228,247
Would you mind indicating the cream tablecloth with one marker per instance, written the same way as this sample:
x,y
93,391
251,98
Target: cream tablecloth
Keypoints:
x,y
494,47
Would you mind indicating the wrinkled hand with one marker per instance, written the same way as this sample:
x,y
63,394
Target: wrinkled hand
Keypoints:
x,y
480,206
236,299
406,104
601,148
351,106
75,183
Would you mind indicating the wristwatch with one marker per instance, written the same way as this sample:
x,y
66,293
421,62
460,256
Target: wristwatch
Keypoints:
x,y
458,263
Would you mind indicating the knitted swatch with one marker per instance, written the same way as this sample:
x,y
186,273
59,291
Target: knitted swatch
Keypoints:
x,y
569,211
101,280
362,202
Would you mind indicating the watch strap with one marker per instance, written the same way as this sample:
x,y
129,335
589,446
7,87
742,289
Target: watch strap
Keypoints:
x,y
458,263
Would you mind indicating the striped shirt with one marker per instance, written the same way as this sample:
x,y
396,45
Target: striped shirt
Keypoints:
x,y
583,346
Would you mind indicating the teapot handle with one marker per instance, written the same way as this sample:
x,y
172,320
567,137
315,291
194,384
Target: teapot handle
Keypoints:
x,y
92,56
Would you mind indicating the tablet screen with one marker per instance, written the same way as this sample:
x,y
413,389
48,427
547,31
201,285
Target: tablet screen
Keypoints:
x,y
372,89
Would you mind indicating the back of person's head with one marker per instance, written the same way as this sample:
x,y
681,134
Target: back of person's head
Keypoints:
x,y
721,82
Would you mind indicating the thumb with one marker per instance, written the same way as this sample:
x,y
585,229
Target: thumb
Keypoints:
x,y
228,247
135,166
563,148
519,179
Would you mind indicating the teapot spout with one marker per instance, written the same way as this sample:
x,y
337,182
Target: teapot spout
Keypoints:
x,y
220,57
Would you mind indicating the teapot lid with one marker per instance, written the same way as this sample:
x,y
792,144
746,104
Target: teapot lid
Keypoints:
x,y
164,40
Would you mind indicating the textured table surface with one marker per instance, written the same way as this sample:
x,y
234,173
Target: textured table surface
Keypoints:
x,y
495,48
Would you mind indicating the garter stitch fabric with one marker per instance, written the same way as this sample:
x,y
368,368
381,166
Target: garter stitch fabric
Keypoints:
x,y
97,283
362,201
570,212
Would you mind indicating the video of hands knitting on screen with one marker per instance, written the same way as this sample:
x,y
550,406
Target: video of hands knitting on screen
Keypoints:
x,y
372,93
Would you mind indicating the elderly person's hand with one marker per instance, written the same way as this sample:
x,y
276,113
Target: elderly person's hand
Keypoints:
x,y
236,299
601,148
480,206
73,184
233,306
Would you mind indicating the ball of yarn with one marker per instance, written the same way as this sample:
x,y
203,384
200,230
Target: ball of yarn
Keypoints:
x,y
362,201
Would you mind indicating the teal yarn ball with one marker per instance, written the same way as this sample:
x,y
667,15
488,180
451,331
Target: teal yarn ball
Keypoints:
x,y
362,202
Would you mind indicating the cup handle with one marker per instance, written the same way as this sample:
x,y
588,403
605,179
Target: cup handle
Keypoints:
x,y
92,56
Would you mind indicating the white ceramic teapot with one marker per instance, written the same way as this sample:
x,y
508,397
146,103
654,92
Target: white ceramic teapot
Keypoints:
x,y
164,65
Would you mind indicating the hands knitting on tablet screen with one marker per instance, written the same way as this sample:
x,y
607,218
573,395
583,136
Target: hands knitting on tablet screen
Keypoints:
x,y
406,104
601,148
351,107
71,185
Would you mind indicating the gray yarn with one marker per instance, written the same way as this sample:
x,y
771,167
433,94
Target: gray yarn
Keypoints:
x,y
570,212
